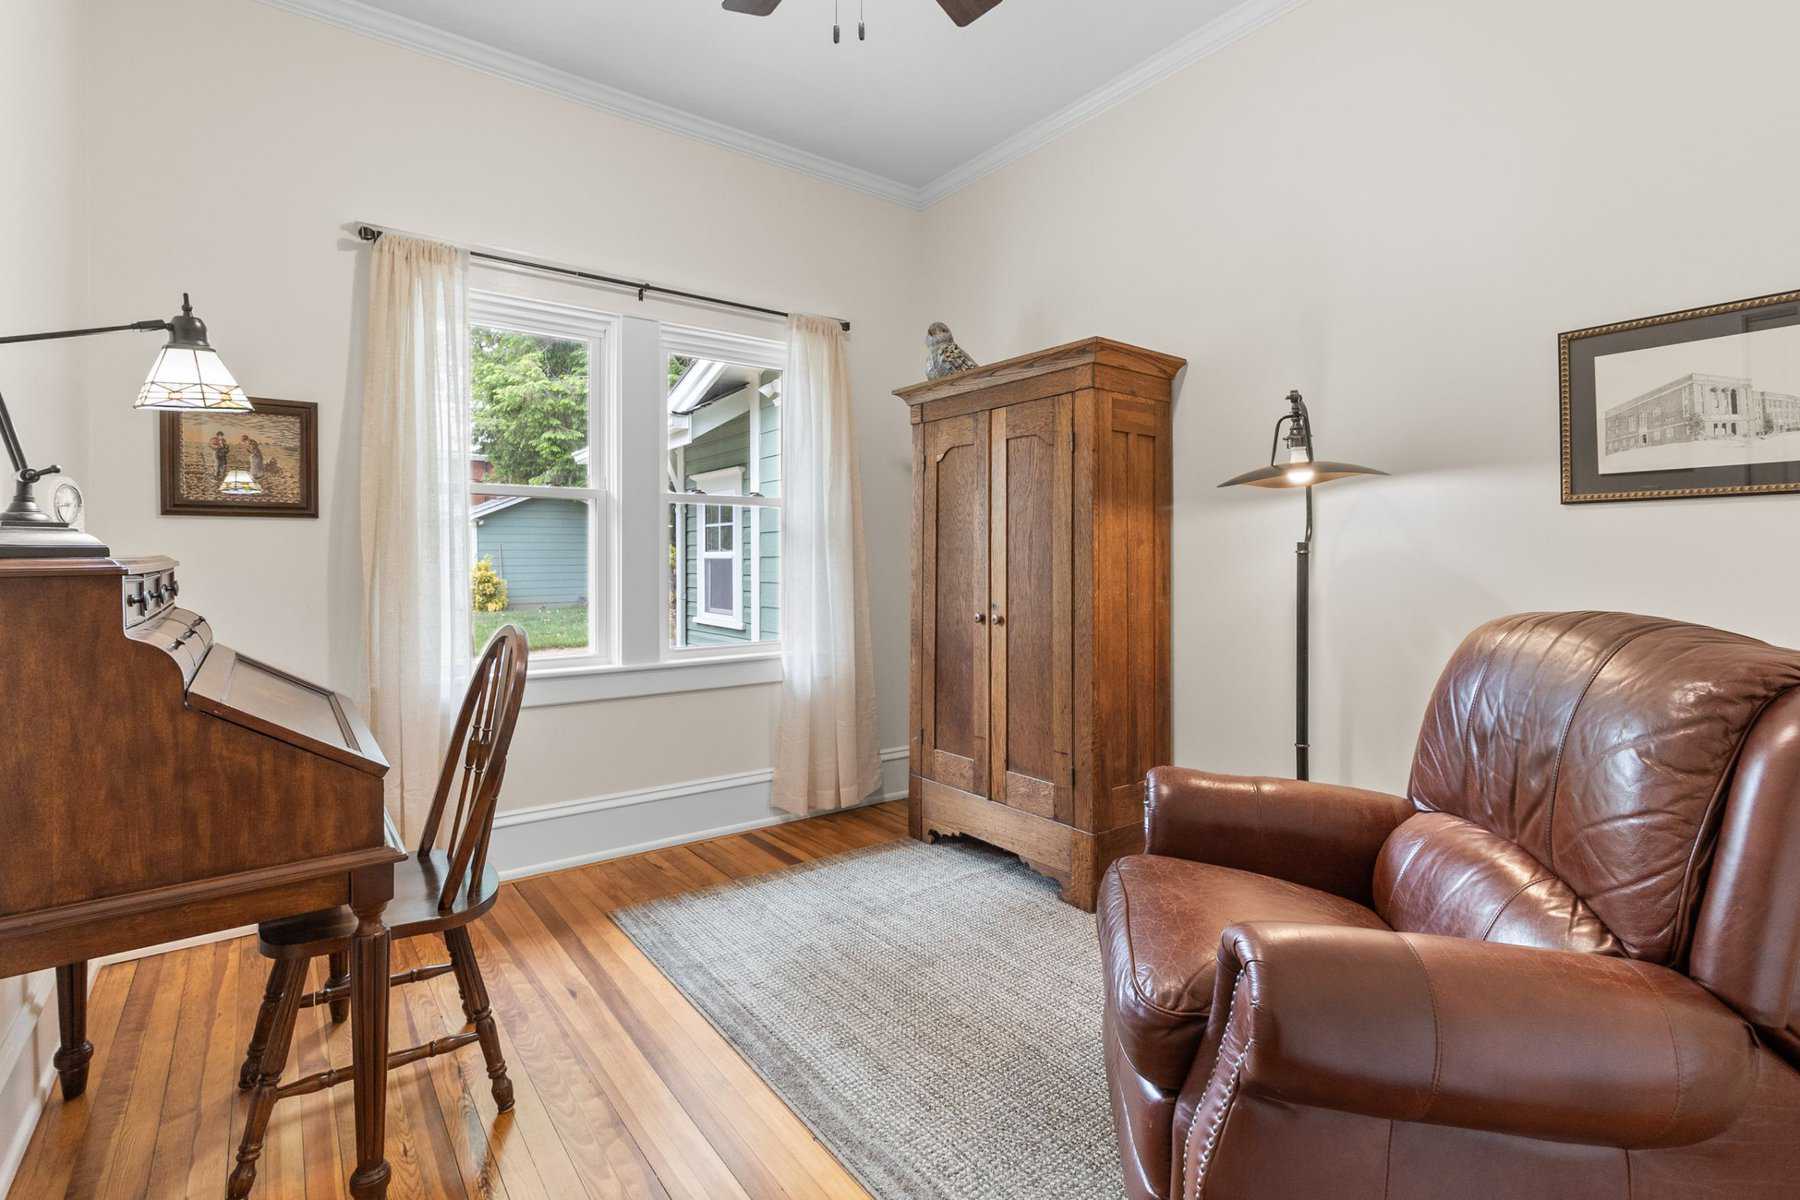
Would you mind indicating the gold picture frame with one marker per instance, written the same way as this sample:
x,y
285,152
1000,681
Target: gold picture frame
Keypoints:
x,y
1702,432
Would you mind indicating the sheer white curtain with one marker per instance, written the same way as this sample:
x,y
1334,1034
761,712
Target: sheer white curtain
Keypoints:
x,y
415,512
825,753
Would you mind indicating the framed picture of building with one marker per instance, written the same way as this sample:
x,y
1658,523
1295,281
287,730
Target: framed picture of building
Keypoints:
x,y
1704,402
263,463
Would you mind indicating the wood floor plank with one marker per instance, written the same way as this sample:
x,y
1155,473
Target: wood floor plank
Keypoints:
x,y
150,1010
208,1152
690,1047
582,1121
624,1091
61,1133
685,1163
178,1114
729,1130
450,1088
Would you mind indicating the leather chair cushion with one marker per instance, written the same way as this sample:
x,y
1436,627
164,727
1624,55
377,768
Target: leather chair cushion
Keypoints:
x,y
1160,920
1442,874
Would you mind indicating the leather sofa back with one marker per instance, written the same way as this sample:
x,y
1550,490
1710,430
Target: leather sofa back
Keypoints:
x,y
1602,747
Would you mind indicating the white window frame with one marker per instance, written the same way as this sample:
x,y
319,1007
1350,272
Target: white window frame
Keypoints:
x,y
727,481
737,350
600,331
628,483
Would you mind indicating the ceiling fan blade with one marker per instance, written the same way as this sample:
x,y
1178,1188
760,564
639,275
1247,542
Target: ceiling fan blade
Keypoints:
x,y
965,11
756,8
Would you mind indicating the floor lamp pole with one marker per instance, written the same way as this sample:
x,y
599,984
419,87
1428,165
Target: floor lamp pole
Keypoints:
x,y
1292,465
1302,638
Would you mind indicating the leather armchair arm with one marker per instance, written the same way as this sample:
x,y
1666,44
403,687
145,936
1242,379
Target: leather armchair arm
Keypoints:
x,y
1448,1031
1316,834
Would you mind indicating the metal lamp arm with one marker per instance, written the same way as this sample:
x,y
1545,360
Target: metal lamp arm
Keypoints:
x,y
57,334
9,435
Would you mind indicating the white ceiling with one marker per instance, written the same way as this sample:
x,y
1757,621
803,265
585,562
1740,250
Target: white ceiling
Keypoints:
x,y
908,108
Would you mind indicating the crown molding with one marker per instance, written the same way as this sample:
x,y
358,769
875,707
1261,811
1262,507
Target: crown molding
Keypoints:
x,y
1206,41
1209,39
417,36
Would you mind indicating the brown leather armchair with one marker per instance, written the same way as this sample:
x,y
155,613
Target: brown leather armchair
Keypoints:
x,y
1567,964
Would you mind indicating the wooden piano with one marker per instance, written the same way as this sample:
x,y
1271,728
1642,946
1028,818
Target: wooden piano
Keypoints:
x,y
157,786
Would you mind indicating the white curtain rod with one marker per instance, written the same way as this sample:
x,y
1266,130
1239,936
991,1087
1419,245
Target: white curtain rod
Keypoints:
x,y
372,233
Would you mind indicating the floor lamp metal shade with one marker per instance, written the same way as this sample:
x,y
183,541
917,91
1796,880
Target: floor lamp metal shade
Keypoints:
x,y
1292,465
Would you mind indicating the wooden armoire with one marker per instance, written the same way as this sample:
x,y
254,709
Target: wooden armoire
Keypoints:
x,y
1040,605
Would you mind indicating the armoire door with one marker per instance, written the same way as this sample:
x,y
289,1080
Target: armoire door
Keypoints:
x,y
1029,548
953,561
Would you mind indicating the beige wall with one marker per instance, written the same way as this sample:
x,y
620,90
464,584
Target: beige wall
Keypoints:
x,y
40,224
1395,205
270,133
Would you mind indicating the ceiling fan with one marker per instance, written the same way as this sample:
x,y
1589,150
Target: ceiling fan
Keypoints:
x,y
961,11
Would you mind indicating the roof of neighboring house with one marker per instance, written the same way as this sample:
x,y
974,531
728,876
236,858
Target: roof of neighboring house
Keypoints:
x,y
489,507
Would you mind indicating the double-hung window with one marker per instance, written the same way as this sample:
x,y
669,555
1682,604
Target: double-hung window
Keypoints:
x,y
625,493
538,478
724,491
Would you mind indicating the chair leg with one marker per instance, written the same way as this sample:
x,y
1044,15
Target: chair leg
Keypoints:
x,y
259,1037
340,975
480,1014
287,983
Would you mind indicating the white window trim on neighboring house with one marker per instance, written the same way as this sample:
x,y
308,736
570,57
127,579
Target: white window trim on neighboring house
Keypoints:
x,y
727,481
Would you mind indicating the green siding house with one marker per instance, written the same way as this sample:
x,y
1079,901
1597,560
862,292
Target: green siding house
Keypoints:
x,y
727,562
538,545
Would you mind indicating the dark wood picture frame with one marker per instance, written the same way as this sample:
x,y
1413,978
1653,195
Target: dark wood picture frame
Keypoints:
x,y
1577,350
169,455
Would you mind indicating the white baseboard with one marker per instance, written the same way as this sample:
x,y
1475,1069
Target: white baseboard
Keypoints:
x,y
526,842
556,837
26,1073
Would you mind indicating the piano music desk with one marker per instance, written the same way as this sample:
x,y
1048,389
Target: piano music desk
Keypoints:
x,y
158,786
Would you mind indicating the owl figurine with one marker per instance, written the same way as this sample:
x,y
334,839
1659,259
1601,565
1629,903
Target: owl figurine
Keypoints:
x,y
945,357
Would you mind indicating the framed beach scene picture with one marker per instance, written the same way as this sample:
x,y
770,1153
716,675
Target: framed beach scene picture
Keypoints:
x,y
263,463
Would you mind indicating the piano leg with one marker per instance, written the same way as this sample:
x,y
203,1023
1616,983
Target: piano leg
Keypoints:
x,y
369,1048
72,1056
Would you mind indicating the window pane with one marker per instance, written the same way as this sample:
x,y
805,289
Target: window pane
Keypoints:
x,y
720,593
531,568
529,397
724,428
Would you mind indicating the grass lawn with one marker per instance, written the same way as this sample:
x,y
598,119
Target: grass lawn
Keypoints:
x,y
548,628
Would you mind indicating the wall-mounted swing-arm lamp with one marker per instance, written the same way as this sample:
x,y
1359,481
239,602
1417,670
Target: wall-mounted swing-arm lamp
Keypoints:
x,y
186,375
1292,465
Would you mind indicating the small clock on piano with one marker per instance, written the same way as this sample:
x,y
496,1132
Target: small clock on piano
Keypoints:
x,y
66,504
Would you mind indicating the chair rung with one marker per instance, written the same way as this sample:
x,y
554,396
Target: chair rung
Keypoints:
x,y
326,995
399,1058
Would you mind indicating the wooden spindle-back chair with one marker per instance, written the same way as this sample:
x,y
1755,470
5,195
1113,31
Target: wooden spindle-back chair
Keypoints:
x,y
442,892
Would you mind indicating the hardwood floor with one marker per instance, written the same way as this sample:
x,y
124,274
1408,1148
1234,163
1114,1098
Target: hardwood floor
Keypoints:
x,y
623,1089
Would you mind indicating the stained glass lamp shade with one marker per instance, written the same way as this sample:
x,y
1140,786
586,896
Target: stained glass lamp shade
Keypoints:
x,y
188,373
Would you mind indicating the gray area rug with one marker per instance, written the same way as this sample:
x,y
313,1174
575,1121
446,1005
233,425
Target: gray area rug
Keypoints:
x,y
931,1012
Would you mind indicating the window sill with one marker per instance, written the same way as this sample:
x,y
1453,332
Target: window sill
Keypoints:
x,y
583,685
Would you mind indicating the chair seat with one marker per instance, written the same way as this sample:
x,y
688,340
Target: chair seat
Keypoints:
x,y
418,881
1160,920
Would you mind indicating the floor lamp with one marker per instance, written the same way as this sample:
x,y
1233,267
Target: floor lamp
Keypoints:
x,y
1292,465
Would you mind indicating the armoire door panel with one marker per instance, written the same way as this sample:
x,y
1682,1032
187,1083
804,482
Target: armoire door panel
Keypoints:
x,y
1031,621
954,658
1131,615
